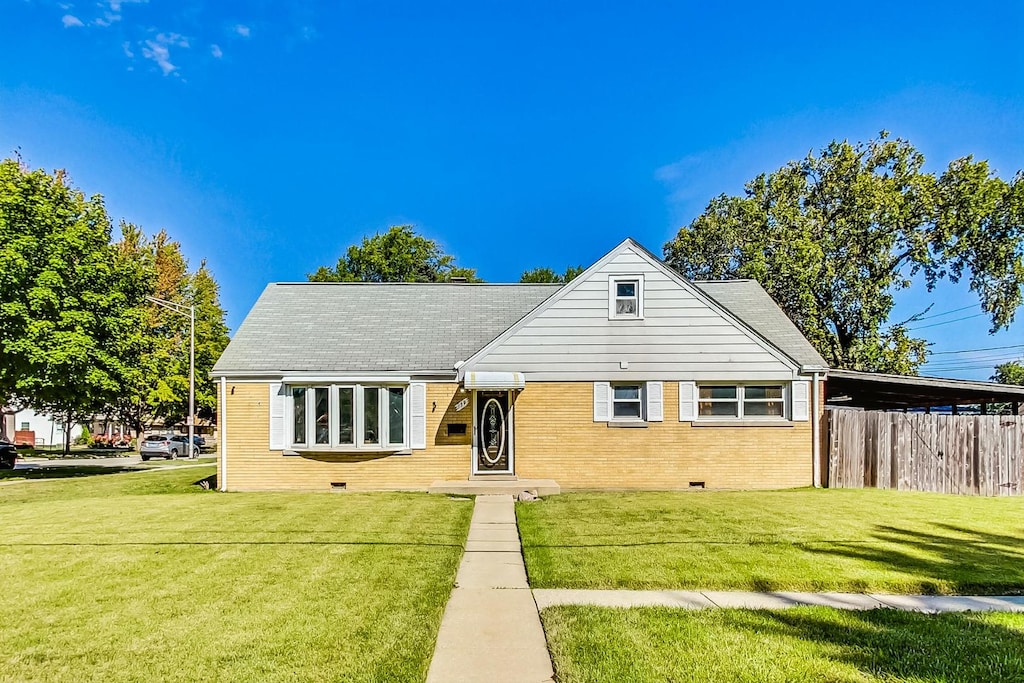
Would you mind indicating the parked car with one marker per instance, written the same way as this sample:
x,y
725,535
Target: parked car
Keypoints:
x,y
197,443
161,446
8,455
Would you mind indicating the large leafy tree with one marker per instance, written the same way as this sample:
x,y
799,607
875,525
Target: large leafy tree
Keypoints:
x,y
1009,373
546,275
832,237
160,386
399,255
71,305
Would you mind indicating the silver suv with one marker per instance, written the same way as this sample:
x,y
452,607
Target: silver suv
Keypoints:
x,y
163,446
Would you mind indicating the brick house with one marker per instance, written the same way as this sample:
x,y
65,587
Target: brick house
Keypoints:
x,y
628,377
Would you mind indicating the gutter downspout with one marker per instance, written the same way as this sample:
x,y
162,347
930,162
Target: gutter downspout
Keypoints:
x,y
815,431
223,415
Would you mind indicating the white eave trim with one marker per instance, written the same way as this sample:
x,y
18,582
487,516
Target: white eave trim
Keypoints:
x,y
494,380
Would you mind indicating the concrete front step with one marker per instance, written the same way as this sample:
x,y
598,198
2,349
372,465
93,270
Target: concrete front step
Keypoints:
x,y
485,487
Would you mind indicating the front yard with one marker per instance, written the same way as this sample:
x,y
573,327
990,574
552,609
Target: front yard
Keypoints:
x,y
810,540
144,577
591,644
839,540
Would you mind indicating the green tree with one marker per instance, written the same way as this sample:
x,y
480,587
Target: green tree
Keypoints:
x,y
70,306
399,255
1009,373
833,236
160,386
545,275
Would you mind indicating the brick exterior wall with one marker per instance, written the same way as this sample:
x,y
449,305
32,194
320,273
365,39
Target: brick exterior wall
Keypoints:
x,y
555,438
252,466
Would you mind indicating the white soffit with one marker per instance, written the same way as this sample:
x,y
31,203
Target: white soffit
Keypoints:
x,y
494,380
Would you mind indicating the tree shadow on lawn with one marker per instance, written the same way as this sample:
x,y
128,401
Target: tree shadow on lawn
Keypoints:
x,y
896,645
63,472
965,561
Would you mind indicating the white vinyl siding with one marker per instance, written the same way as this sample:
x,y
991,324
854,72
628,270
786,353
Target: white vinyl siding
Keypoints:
x,y
680,337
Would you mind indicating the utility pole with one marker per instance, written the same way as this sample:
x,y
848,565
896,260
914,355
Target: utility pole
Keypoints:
x,y
191,312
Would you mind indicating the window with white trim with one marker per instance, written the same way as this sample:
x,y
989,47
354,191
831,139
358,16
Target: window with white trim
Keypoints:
x,y
626,297
348,416
741,401
627,402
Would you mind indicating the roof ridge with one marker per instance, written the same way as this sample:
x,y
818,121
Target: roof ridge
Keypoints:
x,y
436,284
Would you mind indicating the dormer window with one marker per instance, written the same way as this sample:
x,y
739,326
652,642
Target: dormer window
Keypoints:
x,y
626,297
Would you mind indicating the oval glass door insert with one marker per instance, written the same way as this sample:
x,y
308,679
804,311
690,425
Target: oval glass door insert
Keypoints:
x,y
492,432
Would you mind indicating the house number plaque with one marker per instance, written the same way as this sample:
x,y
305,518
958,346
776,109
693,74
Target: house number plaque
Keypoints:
x,y
461,404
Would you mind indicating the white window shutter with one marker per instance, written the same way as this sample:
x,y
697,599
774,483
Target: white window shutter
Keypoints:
x,y
687,401
602,401
801,401
418,414
277,416
655,402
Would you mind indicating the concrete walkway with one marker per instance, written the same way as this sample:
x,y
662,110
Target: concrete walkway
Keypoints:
x,y
491,628
931,604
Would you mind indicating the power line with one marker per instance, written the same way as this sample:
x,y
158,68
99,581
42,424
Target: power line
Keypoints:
x,y
946,322
990,348
939,315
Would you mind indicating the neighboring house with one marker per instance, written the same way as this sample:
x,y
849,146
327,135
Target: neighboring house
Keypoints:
x,y
628,377
29,428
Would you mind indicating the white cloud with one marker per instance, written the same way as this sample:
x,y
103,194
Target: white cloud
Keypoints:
x,y
216,51
127,47
107,19
242,30
159,54
174,39
159,50
71,20
115,5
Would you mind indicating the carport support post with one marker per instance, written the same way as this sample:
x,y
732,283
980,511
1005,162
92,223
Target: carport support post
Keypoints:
x,y
815,433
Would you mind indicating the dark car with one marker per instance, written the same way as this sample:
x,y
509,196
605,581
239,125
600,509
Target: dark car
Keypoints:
x,y
197,443
8,455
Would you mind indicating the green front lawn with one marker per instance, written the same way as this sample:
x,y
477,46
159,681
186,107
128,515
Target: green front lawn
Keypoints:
x,y
591,644
147,577
815,540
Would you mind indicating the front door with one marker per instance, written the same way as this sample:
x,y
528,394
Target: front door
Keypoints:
x,y
492,438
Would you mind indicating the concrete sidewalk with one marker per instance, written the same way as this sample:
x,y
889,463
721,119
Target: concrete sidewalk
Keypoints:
x,y
491,628
931,604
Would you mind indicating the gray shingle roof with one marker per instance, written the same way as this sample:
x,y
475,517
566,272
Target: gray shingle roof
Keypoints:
x,y
748,301
402,327
361,327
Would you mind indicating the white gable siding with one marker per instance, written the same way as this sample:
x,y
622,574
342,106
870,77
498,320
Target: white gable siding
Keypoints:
x,y
679,338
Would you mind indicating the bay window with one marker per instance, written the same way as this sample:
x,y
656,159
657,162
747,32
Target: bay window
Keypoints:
x,y
348,417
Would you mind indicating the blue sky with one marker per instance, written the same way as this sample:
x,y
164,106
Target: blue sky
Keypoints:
x,y
268,136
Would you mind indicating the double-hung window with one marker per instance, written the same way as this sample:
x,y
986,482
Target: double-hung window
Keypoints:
x,y
741,401
349,416
627,402
626,297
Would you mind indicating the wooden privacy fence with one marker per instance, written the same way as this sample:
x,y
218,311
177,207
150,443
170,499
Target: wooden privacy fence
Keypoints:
x,y
980,455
